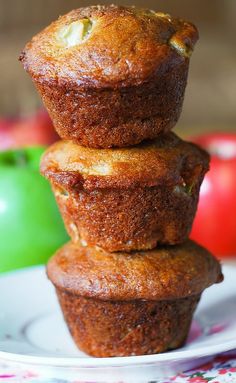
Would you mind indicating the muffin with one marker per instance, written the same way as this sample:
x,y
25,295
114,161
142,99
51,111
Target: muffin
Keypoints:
x,y
127,199
112,75
118,304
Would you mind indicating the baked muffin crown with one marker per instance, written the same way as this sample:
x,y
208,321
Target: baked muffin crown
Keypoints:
x,y
167,159
160,274
108,46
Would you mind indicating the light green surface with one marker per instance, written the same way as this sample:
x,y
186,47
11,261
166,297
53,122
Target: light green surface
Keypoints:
x,y
31,228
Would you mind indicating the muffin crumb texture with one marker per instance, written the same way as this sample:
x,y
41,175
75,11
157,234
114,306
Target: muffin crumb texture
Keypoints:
x,y
127,199
127,328
113,80
112,76
118,304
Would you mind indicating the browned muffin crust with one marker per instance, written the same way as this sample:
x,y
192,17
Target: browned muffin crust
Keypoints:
x,y
122,83
108,328
126,220
167,159
115,118
125,46
131,304
165,273
127,199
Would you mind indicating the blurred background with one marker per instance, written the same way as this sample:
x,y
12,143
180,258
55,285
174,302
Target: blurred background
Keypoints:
x,y
211,93
31,228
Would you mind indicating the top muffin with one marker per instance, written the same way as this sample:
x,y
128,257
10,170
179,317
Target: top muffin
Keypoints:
x,y
112,76
103,46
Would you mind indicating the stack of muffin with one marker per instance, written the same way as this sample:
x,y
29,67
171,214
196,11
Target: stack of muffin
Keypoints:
x,y
113,80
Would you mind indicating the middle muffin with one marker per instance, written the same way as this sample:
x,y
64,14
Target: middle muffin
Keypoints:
x,y
130,198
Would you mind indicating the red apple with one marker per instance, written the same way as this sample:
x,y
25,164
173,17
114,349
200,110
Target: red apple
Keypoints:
x,y
215,223
36,129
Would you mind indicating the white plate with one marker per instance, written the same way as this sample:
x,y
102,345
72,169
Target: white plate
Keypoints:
x,y
33,334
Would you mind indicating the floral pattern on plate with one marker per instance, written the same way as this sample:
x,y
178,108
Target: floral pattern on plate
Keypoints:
x,y
221,370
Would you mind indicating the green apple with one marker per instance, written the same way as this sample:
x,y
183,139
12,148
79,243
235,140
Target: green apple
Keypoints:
x,y
31,228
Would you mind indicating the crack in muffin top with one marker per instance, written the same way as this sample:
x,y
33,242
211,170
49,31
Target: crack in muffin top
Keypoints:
x,y
108,46
150,163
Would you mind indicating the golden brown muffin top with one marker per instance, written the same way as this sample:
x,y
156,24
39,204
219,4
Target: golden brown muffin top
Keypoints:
x,y
164,273
167,159
104,46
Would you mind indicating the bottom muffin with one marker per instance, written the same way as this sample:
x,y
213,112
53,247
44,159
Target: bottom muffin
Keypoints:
x,y
109,328
119,304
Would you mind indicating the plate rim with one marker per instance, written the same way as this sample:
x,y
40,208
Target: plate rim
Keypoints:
x,y
128,361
